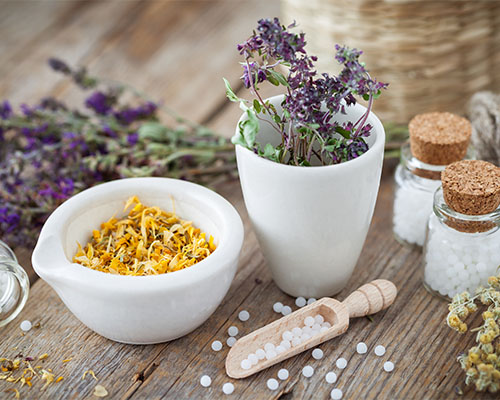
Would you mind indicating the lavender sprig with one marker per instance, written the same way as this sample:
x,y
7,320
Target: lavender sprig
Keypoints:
x,y
307,126
49,152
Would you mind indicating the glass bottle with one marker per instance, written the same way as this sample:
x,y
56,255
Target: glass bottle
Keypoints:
x,y
461,251
14,285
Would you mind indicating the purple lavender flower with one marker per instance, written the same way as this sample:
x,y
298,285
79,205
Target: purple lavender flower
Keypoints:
x,y
5,110
99,102
59,65
252,75
133,138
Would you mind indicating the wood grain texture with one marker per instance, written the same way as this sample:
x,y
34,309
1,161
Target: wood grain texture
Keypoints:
x,y
146,44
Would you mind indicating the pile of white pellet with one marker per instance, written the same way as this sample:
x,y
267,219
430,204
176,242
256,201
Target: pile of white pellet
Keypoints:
x,y
312,326
412,208
456,261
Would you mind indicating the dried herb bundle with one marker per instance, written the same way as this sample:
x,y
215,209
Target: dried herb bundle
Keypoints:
x,y
49,152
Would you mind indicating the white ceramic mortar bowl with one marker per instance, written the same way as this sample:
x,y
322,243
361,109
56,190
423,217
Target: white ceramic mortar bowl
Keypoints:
x,y
140,309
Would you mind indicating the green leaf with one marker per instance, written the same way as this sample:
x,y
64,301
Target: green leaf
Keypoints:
x,y
277,119
229,91
272,79
248,130
278,77
269,150
256,105
366,97
344,132
153,130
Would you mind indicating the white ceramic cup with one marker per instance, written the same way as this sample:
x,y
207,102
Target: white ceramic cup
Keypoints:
x,y
311,222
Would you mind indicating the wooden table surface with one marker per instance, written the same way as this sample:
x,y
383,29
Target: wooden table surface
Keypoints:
x,y
178,51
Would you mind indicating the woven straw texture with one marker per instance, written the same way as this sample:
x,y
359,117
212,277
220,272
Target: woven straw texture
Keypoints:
x,y
434,54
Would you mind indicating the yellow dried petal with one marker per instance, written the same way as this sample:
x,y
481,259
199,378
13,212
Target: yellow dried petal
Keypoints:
x,y
100,391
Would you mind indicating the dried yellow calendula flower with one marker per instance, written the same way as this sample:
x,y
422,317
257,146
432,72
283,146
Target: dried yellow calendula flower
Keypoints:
x,y
147,241
100,391
90,372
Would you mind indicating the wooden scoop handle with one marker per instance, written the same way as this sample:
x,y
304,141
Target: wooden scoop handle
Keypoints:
x,y
371,298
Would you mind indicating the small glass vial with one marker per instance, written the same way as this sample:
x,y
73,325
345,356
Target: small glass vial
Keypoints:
x,y
436,140
14,285
462,247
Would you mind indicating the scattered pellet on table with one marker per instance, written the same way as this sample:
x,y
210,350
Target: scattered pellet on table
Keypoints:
x,y
341,363
308,371
228,388
287,335
380,350
331,377
336,394
277,307
246,364
311,300
361,348
388,366
26,326
309,321
231,341
216,345
244,315
283,374
317,354
232,331
300,301
205,381
272,384
286,310
261,354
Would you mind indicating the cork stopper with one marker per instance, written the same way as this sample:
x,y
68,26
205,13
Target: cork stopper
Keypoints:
x,y
439,138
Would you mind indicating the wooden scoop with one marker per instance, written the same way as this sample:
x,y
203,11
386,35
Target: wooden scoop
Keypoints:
x,y
368,299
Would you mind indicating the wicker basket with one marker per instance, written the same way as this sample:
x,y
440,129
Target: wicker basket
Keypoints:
x,y
434,54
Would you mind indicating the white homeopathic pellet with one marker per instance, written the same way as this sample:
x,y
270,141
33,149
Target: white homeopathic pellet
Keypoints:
x,y
205,381
287,335
277,307
283,374
286,310
297,331
261,354
309,321
272,384
341,363
317,354
361,348
216,345
331,377
319,319
300,301
388,366
228,388
232,331
231,341
380,350
308,371
269,346
311,300
25,325
253,358
244,315
336,394
246,364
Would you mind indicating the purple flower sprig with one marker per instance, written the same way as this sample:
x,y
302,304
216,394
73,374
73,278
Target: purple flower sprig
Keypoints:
x,y
310,133
49,152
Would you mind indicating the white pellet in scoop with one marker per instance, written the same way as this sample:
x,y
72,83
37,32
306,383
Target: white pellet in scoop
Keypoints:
x,y
308,371
323,329
300,302
311,300
388,366
305,337
297,331
331,377
287,335
268,347
316,328
272,384
271,354
336,394
361,348
286,344
277,307
319,319
326,325
25,325
341,363
317,354
228,388
216,345
296,341
283,374
253,358
279,349
286,310
244,315
205,381
380,350
232,331
261,354
246,364
231,341
309,321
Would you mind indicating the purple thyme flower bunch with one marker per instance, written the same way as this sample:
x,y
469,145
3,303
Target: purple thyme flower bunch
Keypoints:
x,y
311,102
